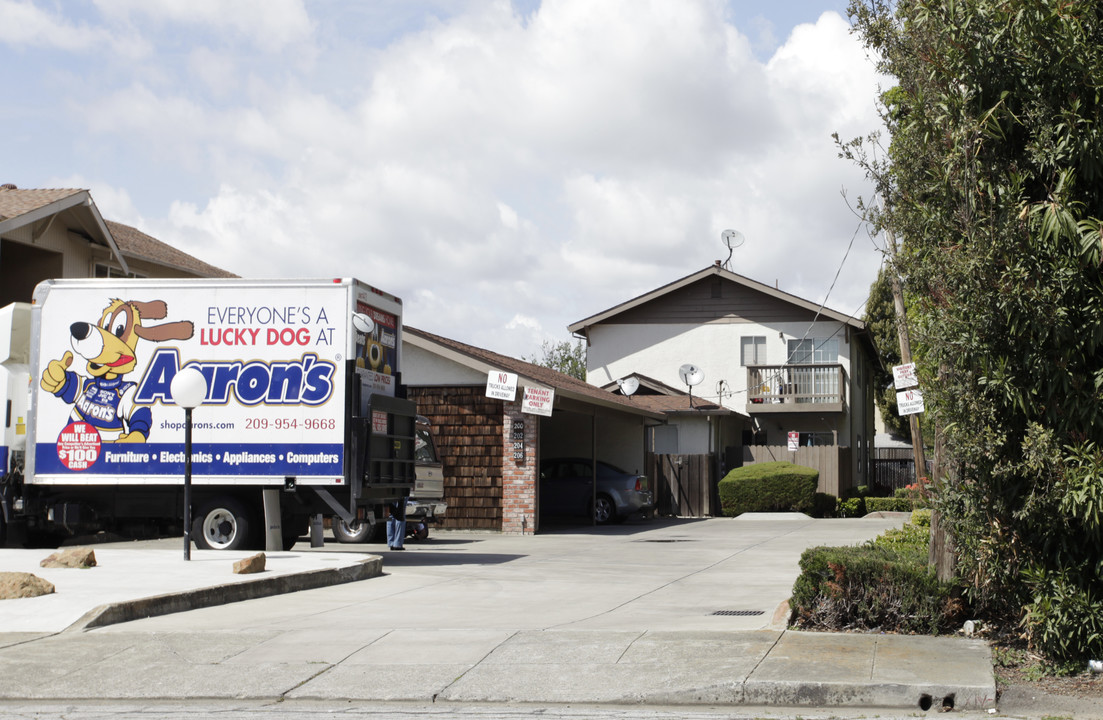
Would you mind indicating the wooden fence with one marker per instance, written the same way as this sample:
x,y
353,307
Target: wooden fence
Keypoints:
x,y
832,462
684,485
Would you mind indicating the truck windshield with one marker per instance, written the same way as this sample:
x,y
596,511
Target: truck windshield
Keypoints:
x,y
424,452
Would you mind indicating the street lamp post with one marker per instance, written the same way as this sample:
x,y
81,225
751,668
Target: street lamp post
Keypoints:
x,y
188,388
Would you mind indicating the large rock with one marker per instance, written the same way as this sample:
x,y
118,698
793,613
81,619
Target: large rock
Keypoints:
x,y
251,564
76,557
23,585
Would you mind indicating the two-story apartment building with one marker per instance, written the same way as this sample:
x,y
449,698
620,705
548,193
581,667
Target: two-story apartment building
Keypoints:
x,y
795,376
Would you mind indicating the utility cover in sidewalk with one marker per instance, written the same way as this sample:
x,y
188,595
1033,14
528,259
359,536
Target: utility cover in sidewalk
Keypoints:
x,y
740,613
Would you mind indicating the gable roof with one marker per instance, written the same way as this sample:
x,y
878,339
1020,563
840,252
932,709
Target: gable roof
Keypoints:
x,y
19,208
648,386
581,326
564,385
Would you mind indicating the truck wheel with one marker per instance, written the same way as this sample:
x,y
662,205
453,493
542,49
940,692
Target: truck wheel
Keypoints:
x,y
222,524
361,531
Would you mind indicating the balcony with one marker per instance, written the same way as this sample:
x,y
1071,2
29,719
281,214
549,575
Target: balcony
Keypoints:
x,y
796,389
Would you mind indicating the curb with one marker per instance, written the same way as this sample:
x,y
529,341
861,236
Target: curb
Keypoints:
x,y
169,603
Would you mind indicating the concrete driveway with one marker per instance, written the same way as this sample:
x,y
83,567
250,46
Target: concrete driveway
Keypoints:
x,y
657,612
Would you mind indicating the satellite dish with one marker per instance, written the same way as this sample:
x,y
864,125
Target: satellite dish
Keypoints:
x,y
732,238
691,374
628,385
362,323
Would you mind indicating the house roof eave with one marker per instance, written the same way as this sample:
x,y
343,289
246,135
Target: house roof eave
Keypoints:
x,y
455,352
582,326
77,200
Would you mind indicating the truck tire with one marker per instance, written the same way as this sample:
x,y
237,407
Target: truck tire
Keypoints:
x,y
222,524
361,532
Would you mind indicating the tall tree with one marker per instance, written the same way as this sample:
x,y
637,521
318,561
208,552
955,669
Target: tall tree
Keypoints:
x,y
880,318
994,185
563,357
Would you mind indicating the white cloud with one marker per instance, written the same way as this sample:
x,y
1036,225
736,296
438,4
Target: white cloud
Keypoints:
x,y
509,175
23,24
271,25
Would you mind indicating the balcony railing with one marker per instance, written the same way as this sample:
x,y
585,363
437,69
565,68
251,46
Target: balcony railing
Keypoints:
x,y
796,388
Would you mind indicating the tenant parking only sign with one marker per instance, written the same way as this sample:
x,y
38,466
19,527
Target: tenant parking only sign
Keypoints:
x,y
538,401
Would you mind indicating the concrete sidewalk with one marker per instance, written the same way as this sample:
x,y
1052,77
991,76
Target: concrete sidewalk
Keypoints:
x,y
147,579
621,616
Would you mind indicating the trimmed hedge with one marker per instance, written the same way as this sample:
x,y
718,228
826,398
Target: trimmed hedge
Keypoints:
x,y
888,504
881,585
769,487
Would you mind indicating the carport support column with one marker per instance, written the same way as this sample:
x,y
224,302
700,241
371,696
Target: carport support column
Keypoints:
x,y
519,468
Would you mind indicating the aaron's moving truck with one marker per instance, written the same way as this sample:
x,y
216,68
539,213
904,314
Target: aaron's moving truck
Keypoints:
x,y
304,411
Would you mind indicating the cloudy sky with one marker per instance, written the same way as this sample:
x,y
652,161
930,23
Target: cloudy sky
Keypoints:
x,y
506,168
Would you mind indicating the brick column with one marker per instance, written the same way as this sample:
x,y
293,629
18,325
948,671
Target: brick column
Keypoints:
x,y
519,468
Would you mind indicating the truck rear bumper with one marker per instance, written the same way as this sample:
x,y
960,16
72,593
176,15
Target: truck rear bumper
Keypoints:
x,y
429,511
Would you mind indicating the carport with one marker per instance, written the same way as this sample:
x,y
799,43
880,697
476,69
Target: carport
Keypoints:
x,y
491,448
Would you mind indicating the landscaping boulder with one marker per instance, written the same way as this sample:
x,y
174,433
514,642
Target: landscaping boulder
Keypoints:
x,y
251,564
76,557
23,585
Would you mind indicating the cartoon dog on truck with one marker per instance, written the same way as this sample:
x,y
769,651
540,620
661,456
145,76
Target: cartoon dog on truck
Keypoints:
x,y
104,399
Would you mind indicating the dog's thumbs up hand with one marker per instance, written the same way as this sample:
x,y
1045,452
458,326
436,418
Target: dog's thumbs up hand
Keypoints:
x,y
53,377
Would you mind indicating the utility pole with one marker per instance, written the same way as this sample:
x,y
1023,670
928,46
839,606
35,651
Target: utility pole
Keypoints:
x,y
941,550
905,354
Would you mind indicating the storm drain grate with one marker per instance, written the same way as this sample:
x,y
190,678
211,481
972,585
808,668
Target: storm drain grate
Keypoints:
x,y
667,540
740,613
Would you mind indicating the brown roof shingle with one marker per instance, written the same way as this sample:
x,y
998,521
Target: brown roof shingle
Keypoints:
x,y
15,202
538,373
134,243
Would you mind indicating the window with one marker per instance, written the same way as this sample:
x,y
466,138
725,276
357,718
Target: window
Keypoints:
x,y
817,439
813,351
752,350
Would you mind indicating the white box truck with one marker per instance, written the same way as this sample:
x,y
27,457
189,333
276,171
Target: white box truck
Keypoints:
x,y
304,396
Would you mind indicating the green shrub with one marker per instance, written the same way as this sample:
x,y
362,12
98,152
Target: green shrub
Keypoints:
x,y
769,487
825,505
882,585
852,507
1064,619
922,518
888,504
918,494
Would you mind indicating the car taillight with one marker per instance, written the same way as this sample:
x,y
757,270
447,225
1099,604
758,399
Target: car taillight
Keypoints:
x,y
639,484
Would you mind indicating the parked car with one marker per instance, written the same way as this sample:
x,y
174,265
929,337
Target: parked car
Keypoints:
x,y
566,488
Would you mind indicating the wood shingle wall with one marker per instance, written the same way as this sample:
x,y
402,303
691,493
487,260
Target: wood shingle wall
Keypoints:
x,y
468,434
